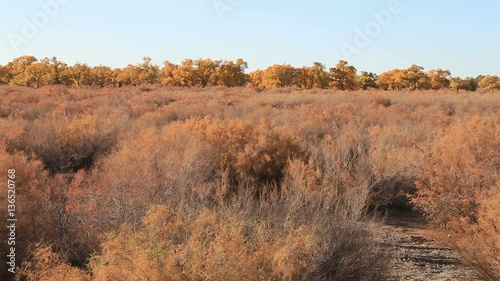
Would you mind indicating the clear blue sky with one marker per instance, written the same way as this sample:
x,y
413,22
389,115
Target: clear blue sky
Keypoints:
x,y
463,36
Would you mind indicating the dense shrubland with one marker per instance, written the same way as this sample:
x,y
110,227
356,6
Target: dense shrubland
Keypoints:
x,y
151,183
460,190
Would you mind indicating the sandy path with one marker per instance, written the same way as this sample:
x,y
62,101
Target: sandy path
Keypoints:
x,y
418,255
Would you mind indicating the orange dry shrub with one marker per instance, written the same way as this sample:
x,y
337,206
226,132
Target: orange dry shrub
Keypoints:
x,y
296,255
346,174
457,190
342,171
222,247
394,160
383,156
46,265
39,204
341,247
149,168
256,152
380,101
461,166
216,245
147,253
83,218
213,246
66,145
480,243
351,251
187,164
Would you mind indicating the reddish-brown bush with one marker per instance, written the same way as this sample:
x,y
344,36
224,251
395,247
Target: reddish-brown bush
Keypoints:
x,y
458,181
39,205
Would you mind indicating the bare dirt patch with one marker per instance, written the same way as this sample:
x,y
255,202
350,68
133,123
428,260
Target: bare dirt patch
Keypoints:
x,y
419,254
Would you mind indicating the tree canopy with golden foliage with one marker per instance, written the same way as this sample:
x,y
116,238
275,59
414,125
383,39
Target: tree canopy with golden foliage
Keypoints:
x,y
28,71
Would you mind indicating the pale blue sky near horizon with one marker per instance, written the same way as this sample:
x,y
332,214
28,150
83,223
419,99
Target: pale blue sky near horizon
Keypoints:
x,y
462,36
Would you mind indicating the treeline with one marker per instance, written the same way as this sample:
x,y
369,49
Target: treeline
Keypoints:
x,y
30,72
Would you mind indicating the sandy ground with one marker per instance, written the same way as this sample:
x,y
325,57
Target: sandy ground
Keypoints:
x,y
418,255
